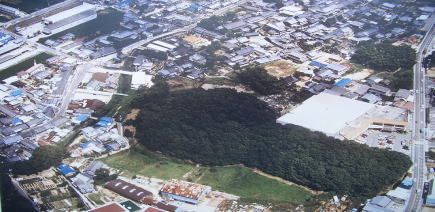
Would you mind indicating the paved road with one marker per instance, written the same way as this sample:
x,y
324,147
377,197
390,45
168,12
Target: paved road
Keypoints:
x,y
419,126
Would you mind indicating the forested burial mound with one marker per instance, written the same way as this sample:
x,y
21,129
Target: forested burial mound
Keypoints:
x,y
221,127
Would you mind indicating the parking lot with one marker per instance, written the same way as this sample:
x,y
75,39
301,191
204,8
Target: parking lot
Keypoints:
x,y
385,140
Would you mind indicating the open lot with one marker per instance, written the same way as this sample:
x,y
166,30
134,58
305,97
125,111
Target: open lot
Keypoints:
x,y
237,180
244,182
386,140
281,69
149,164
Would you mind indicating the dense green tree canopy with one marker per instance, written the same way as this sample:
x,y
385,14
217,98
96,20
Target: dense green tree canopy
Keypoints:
x,y
42,159
221,126
384,56
214,22
260,81
103,175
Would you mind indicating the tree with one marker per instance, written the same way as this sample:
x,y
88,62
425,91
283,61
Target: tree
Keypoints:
x,y
42,158
384,56
11,199
214,22
128,133
103,175
260,81
222,127
402,79
154,54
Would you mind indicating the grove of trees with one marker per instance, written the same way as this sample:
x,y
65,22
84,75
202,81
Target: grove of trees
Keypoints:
x,y
222,127
42,158
384,56
103,175
214,22
260,81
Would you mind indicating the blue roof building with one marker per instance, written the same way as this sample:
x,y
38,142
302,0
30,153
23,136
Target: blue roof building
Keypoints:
x,y
196,7
343,82
123,3
104,122
317,64
82,118
6,40
16,121
66,170
106,119
85,145
16,93
406,183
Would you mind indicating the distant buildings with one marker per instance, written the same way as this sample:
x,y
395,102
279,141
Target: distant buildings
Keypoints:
x,y
9,10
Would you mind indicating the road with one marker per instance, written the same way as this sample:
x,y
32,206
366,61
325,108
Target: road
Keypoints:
x,y
415,201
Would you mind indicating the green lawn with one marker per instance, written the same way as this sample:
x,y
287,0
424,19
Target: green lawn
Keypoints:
x,y
245,183
147,164
237,180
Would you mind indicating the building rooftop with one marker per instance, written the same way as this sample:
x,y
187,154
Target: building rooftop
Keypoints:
x,y
184,189
71,19
113,207
128,190
326,113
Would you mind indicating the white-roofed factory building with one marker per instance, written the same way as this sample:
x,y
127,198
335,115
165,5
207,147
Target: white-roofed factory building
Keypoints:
x,y
326,113
140,79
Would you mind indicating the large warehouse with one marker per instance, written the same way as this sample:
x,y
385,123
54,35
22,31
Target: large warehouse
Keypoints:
x,y
326,113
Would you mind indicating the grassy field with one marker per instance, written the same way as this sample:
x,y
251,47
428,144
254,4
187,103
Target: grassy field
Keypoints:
x,y
244,182
235,180
149,164
13,70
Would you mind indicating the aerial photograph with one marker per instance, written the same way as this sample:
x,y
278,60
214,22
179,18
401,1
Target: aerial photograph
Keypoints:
x,y
217,105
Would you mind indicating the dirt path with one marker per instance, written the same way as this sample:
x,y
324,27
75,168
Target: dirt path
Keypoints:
x,y
285,181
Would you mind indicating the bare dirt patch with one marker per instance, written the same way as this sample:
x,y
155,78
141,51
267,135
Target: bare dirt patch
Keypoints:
x,y
281,68
360,75
238,88
131,116
181,83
